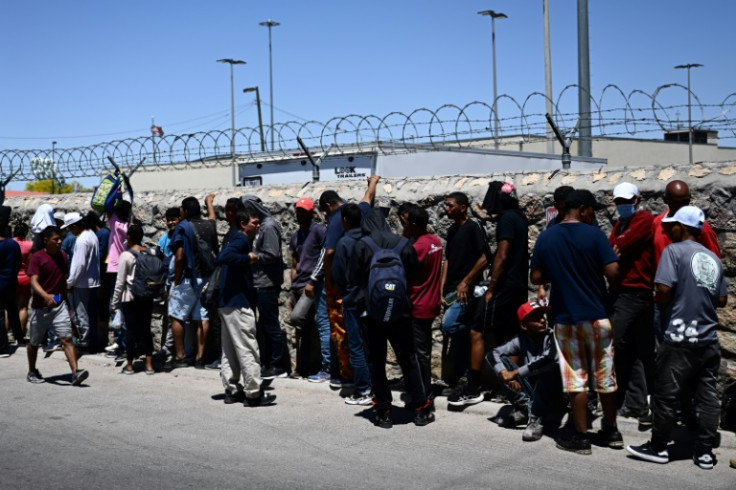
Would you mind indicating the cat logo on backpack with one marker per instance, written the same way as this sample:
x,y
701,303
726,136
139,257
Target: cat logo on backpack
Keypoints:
x,y
387,298
390,287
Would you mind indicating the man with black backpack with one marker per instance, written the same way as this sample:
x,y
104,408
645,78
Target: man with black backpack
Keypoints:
x,y
382,263
194,245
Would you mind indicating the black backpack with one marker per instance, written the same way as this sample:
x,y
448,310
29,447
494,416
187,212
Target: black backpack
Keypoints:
x,y
209,295
387,299
149,280
728,408
204,256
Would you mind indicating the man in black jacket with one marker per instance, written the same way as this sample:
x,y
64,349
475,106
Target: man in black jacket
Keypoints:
x,y
398,332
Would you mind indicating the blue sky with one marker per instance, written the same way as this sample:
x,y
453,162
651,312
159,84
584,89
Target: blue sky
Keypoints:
x,y
83,72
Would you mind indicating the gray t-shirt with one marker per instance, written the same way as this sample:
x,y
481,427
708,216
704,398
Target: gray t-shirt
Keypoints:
x,y
696,276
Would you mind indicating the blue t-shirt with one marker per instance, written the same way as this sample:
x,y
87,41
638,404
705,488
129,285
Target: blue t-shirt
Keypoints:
x,y
103,237
67,246
335,230
184,237
572,256
9,266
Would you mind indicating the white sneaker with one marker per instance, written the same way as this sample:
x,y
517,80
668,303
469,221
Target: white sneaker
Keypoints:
x,y
359,399
112,348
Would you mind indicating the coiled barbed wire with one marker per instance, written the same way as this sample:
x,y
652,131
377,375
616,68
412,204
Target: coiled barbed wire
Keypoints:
x,y
615,114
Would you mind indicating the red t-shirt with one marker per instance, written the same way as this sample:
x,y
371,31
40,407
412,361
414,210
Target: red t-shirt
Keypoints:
x,y
707,238
636,264
425,289
51,271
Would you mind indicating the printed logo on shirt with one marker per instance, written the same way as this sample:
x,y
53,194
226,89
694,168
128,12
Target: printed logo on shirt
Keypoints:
x,y
705,270
434,248
684,332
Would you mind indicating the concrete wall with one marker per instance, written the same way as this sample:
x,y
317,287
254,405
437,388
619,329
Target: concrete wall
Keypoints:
x,y
713,188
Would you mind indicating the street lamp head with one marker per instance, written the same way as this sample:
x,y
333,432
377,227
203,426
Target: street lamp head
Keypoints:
x,y
250,89
688,66
231,61
493,14
269,23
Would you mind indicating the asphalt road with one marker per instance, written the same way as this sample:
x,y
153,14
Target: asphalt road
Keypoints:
x,y
172,430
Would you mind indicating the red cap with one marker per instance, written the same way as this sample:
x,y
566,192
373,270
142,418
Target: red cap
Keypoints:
x,y
305,203
527,308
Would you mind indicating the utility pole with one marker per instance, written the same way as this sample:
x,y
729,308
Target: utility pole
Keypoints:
x,y
585,140
548,76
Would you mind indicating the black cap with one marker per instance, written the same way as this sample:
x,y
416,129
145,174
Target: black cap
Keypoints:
x,y
5,213
582,197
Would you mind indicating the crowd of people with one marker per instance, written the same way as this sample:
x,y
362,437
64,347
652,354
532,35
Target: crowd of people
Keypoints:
x,y
626,321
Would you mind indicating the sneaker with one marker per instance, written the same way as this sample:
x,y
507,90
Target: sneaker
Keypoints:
x,y
575,443
320,377
464,395
35,377
199,364
382,419
534,430
264,399
112,347
645,422
111,354
631,413
705,461
214,364
514,419
230,398
121,357
180,363
647,453
609,436
52,347
424,416
359,399
79,377
272,372
161,354
4,354
338,384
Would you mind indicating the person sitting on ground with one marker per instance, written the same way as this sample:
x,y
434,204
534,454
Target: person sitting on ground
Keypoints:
x,y
137,311
533,381
690,284
48,269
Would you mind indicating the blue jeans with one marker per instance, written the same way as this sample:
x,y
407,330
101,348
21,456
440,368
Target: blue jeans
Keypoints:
x,y
541,394
268,323
361,373
322,320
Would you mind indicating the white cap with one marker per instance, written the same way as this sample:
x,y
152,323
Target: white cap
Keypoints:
x,y
70,219
59,215
691,216
625,191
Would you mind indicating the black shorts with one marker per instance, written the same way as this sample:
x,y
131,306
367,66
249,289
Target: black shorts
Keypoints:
x,y
499,316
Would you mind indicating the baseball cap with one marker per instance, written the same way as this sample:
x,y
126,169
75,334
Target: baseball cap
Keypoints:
x,y
305,203
625,190
528,307
691,216
582,197
70,219
59,215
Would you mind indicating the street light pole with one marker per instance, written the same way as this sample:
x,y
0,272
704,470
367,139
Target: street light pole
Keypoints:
x,y
260,121
232,62
270,23
548,76
53,166
494,15
689,106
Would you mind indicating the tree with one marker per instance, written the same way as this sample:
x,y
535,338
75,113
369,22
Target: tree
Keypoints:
x,y
45,186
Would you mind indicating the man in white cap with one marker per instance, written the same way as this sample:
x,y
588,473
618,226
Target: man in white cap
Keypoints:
x,y
84,277
633,303
690,284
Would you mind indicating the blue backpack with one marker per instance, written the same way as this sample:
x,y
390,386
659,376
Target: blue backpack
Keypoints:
x,y
387,299
108,195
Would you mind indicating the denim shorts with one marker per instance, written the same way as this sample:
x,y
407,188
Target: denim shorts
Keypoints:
x,y
56,317
184,301
456,318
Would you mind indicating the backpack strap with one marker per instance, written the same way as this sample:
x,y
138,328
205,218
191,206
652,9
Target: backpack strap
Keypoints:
x,y
400,246
374,246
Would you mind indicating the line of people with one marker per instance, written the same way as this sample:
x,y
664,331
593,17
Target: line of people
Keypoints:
x,y
357,286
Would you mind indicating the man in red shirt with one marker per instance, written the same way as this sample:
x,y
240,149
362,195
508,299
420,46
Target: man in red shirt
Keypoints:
x,y
425,290
633,304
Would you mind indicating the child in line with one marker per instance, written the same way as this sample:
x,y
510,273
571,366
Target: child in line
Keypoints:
x,y
534,384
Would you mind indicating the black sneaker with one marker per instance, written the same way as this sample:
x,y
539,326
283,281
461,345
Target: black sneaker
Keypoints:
x,y
199,364
514,419
79,377
272,372
705,460
647,453
264,399
575,443
465,395
631,413
609,437
382,419
237,397
35,377
645,422
424,416
180,363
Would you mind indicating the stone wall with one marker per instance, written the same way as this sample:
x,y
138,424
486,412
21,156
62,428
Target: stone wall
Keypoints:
x,y
712,186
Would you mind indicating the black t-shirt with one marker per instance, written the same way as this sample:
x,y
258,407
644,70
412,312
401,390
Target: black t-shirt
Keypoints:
x,y
513,226
207,231
465,244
